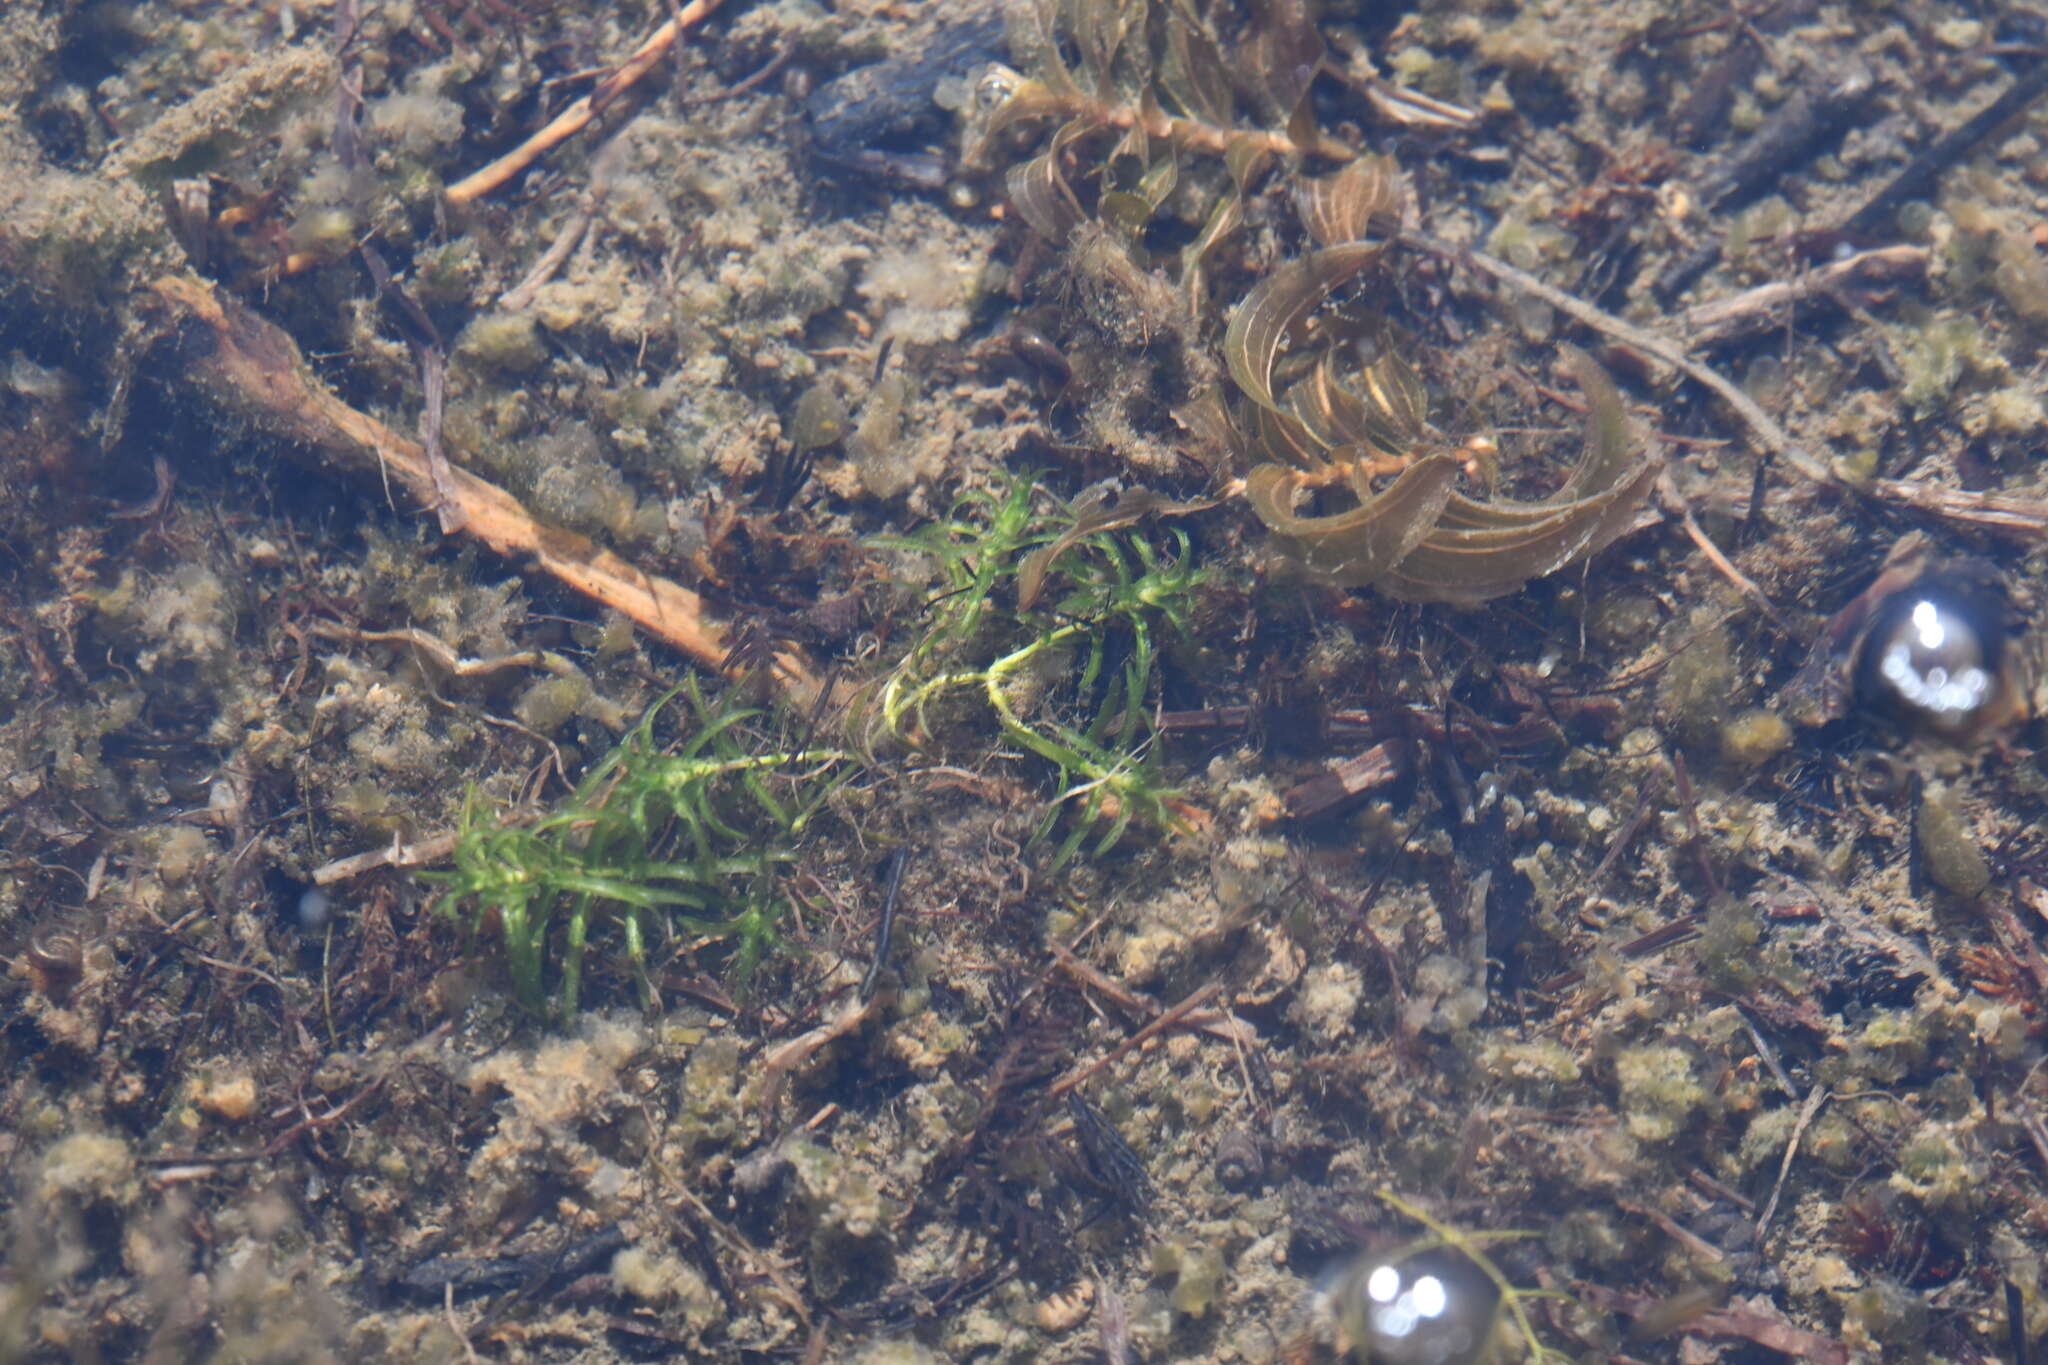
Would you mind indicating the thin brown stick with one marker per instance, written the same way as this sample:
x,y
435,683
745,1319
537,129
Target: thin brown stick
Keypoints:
x,y
1768,304
578,116
1815,1098
2015,513
1677,502
455,1323
792,1054
256,370
521,296
1178,1014
1774,439
419,853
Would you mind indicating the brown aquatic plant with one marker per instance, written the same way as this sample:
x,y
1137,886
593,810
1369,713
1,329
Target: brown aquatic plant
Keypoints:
x,y
1138,89
1310,426
1138,92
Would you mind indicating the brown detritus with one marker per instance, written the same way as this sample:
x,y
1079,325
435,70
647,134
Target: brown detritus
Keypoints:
x,y
1380,766
1706,103
1766,431
1919,175
1762,1325
1828,99
1881,1232
248,688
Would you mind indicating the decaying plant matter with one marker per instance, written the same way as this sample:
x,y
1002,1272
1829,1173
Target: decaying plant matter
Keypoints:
x,y
1314,418
255,370
1313,426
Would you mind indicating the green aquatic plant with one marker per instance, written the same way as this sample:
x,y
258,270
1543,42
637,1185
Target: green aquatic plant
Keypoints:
x,y
654,839
1052,618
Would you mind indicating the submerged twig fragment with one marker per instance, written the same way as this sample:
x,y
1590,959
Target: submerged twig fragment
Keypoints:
x,y
256,370
1919,175
2013,513
1382,765
579,115
1774,439
1768,305
794,1053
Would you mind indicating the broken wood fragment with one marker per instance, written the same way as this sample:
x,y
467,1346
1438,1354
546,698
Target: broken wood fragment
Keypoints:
x,y
252,368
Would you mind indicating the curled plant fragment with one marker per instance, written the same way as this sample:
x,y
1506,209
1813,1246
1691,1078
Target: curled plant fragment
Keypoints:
x,y
1417,537
1278,316
1343,207
1363,544
1133,506
1487,548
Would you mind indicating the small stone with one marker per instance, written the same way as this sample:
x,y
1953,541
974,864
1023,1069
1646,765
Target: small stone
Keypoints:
x,y
231,1099
1754,737
1065,1311
1950,853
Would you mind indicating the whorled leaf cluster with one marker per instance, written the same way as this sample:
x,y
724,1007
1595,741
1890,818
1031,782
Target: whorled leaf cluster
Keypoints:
x,y
1050,621
1140,95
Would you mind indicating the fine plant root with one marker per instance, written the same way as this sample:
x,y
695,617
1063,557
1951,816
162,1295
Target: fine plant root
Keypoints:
x,y
256,370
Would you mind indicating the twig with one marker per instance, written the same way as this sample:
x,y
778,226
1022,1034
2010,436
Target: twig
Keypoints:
x,y
521,296
1682,779
2011,512
1774,439
419,853
1630,828
753,82
1178,1014
454,1323
1383,763
1921,172
793,1053
1677,502
428,352
256,370
1763,1050
1815,1098
1768,304
430,646
2031,1125
578,116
